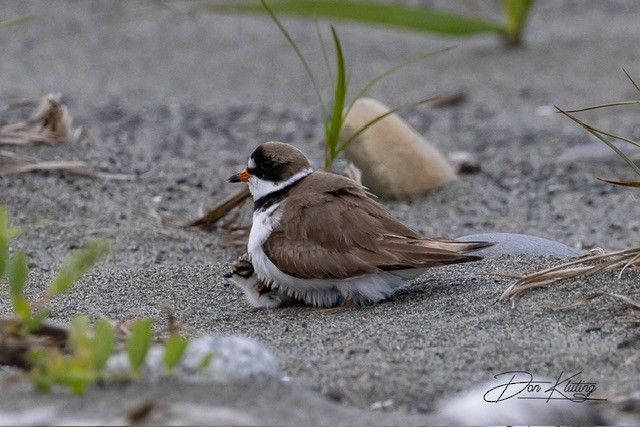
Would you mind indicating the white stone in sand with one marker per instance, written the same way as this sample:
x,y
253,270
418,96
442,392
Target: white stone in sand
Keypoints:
x,y
396,162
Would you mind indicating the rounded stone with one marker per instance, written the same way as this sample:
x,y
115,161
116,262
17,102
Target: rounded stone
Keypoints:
x,y
520,244
396,162
231,358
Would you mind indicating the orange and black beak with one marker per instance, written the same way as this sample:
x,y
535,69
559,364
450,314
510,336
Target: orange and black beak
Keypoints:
x,y
240,177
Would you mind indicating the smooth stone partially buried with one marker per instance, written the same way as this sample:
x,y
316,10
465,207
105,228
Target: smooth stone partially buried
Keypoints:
x,y
232,358
520,244
396,162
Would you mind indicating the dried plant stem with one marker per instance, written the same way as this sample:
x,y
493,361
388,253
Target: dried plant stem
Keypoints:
x,y
209,219
607,261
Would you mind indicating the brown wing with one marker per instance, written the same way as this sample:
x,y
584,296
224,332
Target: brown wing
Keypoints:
x,y
341,233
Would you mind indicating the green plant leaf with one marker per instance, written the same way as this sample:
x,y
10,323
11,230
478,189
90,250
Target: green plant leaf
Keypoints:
x,y
139,343
104,343
517,12
338,101
18,274
16,21
601,136
633,82
21,307
4,240
77,263
413,18
608,105
325,56
79,338
174,349
205,362
35,321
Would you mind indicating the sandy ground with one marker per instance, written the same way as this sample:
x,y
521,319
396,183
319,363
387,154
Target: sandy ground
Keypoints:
x,y
178,99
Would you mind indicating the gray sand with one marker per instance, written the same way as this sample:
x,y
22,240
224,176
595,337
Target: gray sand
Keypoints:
x,y
180,99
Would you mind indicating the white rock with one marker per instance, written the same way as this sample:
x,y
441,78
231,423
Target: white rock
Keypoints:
x,y
395,161
233,358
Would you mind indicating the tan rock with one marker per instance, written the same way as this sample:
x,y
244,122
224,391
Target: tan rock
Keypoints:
x,y
395,161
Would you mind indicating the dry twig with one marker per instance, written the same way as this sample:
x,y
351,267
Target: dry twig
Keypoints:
x,y
604,262
210,219
50,123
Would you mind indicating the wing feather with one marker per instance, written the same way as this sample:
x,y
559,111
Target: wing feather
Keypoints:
x,y
341,232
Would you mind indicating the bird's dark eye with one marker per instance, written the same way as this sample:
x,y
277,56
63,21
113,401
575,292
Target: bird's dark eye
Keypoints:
x,y
266,165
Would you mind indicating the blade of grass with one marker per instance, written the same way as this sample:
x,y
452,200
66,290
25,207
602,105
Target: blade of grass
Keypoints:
x,y
77,263
104,343
139,343
339,97
633,82
16,21
393,70
596,107
18,277
325,56
380,117
618,137
635,184
598,135
174,349
414,18
517,12
295,47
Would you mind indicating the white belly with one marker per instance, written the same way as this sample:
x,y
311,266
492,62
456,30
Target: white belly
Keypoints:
x,y
317,292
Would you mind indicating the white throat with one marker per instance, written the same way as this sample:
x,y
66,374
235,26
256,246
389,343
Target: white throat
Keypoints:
x,y
260,188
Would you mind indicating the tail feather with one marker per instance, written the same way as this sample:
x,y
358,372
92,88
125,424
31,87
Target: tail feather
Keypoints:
x,y
454,245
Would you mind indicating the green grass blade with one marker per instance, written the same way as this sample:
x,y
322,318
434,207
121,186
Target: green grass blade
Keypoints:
x,y
305,64
32,323
79,333
412,18
16,21
104,343
375,120
77,263
390,71
339,97
174,349
597,107
325,56
618,137
18,274
18,277
633,82
517,12
139,343
4,240
205,362
597,134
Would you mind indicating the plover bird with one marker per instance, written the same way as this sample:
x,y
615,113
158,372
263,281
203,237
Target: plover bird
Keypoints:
x,y
320,238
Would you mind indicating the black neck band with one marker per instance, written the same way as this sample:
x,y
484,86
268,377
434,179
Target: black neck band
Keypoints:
x,y
269,199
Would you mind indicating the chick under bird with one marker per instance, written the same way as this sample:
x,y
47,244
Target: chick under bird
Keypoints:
x,y
321,239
